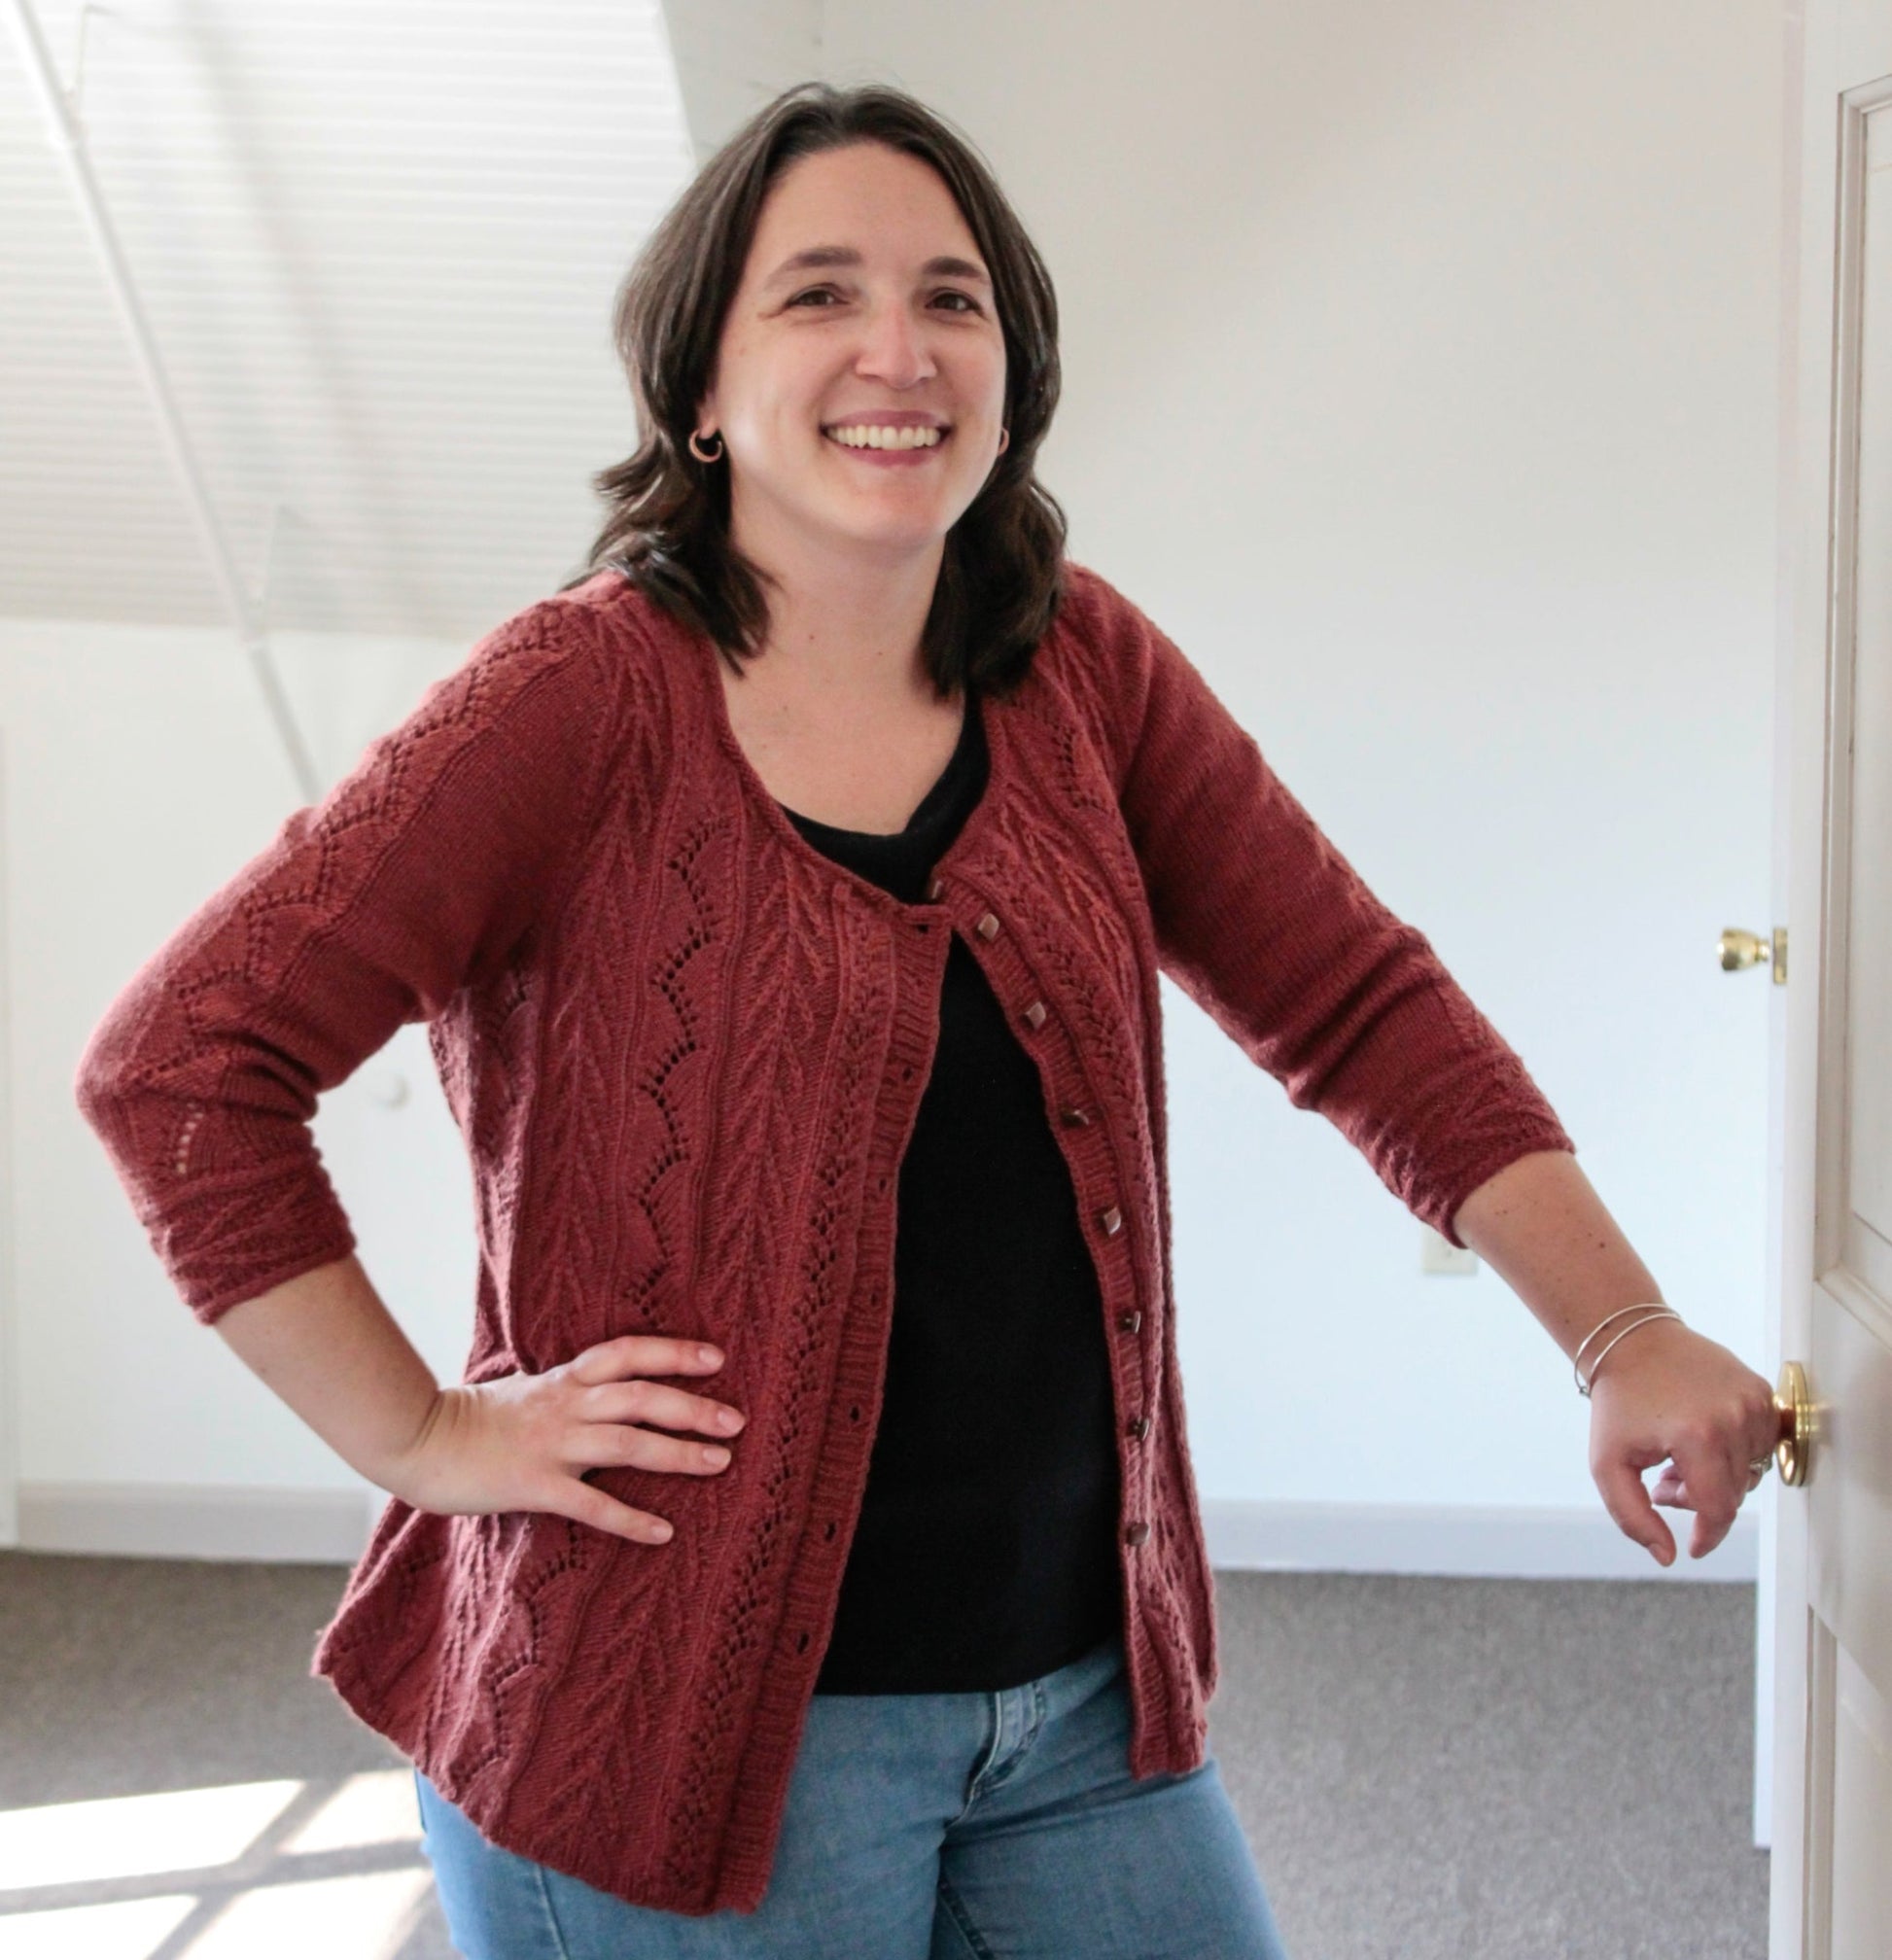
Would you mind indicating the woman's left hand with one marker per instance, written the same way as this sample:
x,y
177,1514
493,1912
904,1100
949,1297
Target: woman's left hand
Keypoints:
x,y
1672,1396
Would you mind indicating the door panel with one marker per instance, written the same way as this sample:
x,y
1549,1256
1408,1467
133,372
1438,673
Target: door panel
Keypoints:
x,y
1833,1808
1862,1790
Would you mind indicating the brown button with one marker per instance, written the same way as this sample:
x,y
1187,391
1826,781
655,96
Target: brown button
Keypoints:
x,y
1074,1118
1036,1013
937,885
1111,1221
1138,1427
1130,1322
988,925
1135,1533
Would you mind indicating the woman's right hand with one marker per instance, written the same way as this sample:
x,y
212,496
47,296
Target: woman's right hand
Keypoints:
x,y
525,1442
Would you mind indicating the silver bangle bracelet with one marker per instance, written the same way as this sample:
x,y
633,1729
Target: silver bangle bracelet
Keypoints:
x,y
1608,1320
1661,1313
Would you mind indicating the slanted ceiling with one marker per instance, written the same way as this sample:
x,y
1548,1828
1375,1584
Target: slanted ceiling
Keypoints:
x,y
378,246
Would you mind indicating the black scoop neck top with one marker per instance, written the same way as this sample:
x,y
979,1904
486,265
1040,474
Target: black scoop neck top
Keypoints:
x,y
986,1553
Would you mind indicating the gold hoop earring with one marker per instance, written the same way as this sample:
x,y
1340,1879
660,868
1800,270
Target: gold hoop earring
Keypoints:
x,y
715,456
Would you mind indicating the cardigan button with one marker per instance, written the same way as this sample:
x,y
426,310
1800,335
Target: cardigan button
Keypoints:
x,y
1139,1427
1036,1013
1130,1322
937,885
1074,1118
1135,1533
988,925
1111,1221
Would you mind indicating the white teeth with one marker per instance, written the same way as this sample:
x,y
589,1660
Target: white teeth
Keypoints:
x,y
877,436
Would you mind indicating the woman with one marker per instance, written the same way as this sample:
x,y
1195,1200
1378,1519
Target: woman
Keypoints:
x,y
752,925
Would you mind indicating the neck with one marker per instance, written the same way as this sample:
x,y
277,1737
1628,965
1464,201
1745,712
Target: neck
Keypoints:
x,y
852,622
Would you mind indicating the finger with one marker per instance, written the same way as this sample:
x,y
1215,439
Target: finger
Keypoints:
x,y
1715,1485
654,1402
1763,1422
1751,1478
589,1505
1671,1490
1741,1470
645,1354
615,1446
1628,1502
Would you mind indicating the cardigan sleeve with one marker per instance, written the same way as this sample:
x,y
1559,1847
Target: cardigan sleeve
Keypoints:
x,y
1263,923
417,873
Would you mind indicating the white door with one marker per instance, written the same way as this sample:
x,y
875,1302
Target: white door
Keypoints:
x,y
9,1369
1833,1624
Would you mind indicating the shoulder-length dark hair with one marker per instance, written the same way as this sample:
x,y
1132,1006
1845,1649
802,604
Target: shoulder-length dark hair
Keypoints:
x,y
668,527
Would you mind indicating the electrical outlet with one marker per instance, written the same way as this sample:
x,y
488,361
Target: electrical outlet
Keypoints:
x,y
1438,1254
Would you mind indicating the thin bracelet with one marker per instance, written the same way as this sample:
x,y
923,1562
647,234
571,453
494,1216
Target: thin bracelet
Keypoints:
x,y
1665,1313
1577,1358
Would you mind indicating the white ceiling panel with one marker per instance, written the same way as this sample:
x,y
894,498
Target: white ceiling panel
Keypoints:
x,y
377,246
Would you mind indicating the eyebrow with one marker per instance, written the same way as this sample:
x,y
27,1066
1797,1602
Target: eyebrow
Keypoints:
x,y
943,267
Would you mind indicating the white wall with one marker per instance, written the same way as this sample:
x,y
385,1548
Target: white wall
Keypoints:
x,y
1420,379
143,772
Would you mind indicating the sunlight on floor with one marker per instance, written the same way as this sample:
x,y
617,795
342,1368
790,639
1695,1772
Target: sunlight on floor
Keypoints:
x,y
366,1916
373,1808
252,1863
133,1837
95,1931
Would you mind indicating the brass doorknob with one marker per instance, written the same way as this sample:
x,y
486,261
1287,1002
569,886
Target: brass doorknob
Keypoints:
x,y
1739,949
1793,1454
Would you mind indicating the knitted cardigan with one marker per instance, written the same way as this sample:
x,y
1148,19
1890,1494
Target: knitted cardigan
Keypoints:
x,y
685,1051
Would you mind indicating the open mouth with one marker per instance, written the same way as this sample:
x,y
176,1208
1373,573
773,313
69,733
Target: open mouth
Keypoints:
x,y
881,441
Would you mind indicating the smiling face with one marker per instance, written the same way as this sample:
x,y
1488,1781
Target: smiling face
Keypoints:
x,y
866,307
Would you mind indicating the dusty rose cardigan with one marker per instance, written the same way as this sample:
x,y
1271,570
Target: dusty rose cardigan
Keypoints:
x,y
687,1051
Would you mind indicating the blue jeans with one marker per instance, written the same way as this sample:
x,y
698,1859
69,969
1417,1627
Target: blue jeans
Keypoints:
x,y
924,1827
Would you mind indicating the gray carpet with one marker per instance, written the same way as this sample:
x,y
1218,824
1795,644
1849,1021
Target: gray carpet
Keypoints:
x,y
1425,1767
1508,1769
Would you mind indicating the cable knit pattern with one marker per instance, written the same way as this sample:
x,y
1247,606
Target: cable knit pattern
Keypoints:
x,y
687,1052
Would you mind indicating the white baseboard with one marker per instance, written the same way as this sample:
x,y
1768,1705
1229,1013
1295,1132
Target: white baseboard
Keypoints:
x,y
1458,1541
184,1521
198,1520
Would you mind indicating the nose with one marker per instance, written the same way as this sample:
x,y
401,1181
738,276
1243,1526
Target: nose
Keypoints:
x,y
893,349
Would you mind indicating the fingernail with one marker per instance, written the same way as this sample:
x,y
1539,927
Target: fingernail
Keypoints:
x,y
712,1455
708,1356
